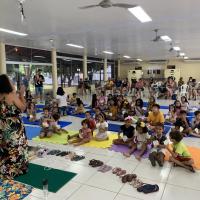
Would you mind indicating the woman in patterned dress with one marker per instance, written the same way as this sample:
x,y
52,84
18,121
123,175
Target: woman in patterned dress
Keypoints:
x,y
13,141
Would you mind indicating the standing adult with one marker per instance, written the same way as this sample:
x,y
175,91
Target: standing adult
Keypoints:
x,y
13,141
38,81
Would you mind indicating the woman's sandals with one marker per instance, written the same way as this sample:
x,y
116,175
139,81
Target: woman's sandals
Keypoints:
x,y
128,178
95,163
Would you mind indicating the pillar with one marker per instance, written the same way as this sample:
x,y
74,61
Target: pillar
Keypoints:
x,y
119,68
105,74
2,58
54,71
85,72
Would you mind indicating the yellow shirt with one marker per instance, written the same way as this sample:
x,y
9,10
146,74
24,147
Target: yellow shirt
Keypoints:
x,y
181,149
154,119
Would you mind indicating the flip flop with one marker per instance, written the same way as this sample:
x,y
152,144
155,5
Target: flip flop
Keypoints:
x,y
137,183
106,168
121,173
116,170
148,188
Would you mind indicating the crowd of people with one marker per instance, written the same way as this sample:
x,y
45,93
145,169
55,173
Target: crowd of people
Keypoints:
x,y
116,101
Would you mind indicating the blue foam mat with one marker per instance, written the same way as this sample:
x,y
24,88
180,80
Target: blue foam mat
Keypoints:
x,y
32,132
114,127
37,123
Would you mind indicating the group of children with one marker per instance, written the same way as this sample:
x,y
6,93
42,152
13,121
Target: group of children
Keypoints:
x,y
148,132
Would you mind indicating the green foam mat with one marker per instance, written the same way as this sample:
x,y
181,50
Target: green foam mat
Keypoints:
x,y
37,173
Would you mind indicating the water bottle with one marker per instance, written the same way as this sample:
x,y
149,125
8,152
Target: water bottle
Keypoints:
x,y
45,188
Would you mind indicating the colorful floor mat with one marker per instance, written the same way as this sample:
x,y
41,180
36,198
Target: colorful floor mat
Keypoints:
x,y
32,132
56,139
37,173
13,190
124,149
102,144
195,152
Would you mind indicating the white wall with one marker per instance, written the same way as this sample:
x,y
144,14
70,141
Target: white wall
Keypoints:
x,y
187,68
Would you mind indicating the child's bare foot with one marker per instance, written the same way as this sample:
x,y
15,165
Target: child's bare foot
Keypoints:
x,y
127,155
138,158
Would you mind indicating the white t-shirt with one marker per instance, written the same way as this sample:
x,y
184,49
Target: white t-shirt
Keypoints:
x,y
142,137
100,134
62,100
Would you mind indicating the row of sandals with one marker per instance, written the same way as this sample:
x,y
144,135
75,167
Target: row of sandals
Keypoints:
x,y
132,179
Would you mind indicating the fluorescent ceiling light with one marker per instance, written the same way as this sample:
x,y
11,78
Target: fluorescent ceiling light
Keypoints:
x,y
182,54
138,59
13,32
39,57
128,57
185,57
108,52
166,38
177,48
74,45
140,14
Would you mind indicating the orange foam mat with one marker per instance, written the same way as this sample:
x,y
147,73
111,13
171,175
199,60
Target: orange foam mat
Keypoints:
x,y
195,152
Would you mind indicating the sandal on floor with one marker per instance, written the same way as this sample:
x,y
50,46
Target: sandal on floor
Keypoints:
x,y
105,168
121,172
116,170
148,188
137,183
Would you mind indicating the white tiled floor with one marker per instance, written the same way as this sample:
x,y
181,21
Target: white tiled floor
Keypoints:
x,y
174,183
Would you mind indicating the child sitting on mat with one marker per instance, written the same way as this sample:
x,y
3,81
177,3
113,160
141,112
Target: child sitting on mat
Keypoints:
x,y
184,104
159,140
84,135
102,101
90,121
112,111
79,108
72,100
196,124
171,116
102,129
97,113
54,126
140,142
45,124
54,107
128,133
151,102
182,124
31,112
180,155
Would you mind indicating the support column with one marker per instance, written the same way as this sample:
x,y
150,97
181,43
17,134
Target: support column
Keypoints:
x,y
119,68
105,74
54,71
85,71
2,58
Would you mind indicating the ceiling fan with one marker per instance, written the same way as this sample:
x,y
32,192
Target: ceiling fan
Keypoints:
x,y
157,37
108,4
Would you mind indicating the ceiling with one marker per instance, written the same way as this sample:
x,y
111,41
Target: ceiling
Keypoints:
x,y
99,29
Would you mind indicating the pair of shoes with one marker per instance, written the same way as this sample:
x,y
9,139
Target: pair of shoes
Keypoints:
x,y
128,178
104,168
148,188
77,158
95,163
118,171
136,183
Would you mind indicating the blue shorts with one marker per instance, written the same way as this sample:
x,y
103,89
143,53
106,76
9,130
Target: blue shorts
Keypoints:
x,y
39,91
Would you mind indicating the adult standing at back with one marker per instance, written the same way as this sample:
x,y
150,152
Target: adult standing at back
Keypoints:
x,y
13,141
38,81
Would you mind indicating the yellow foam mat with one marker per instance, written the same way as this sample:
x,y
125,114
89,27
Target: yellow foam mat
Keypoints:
x,y
62,139
55,138
102,144
195,153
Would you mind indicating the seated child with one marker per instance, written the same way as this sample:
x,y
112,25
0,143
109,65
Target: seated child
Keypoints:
x,y
184,104
79,108
54,126
177,105
112,111
196,124
90,121
102,101
128,133
151,102
133,103
72,100
182,124
141,140
83,137
97,113
180,155
102,128
139,111
155,117
158,146
31,112
54,107
45,124
48,100
171,116
94,101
